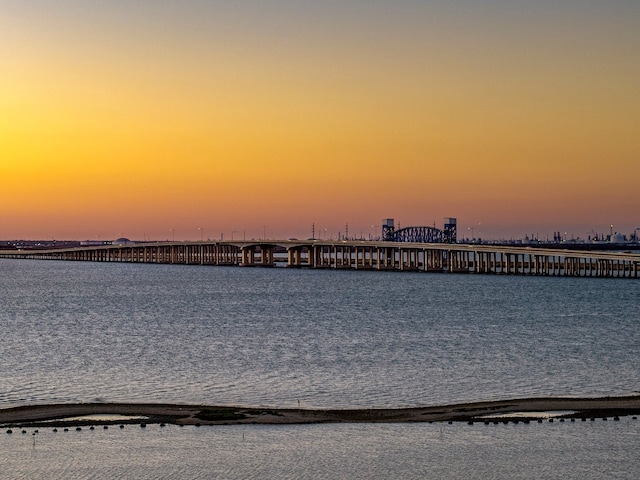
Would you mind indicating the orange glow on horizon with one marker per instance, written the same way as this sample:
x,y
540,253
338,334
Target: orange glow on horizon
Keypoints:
x,y
519,121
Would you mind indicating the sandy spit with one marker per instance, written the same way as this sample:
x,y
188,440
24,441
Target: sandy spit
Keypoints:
x,y
66,414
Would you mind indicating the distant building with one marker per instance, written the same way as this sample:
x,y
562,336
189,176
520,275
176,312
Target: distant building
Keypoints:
x,y
95,243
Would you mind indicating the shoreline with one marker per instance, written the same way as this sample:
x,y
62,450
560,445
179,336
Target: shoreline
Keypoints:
x,y
60,415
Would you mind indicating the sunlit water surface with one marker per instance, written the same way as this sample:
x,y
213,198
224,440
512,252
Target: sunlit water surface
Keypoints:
x,y
157,333
565,451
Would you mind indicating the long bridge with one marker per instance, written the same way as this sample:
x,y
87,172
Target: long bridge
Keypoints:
x,y
357,255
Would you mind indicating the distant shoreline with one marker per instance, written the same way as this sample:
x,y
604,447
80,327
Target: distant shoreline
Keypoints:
x,y
60,415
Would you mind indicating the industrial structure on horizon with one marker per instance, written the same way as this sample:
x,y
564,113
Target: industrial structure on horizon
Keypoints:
x,y
389,233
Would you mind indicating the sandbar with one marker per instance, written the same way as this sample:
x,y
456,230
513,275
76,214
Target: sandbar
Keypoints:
x,y
71,414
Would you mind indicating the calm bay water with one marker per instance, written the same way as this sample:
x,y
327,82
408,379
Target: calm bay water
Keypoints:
x,y
410,451
157,333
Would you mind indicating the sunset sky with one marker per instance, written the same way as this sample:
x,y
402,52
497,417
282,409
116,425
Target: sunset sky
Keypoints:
x,y
153,119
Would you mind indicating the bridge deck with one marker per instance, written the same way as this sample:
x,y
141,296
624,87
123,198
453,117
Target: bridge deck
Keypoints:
x,y
359,255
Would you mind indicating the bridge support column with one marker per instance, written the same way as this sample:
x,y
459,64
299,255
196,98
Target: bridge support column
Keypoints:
x,y
297,257
267,256
248,257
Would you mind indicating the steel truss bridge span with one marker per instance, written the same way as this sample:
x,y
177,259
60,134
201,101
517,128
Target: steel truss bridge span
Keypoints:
x,y
418,235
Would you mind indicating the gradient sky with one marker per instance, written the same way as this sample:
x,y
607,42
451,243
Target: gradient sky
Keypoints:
x,y
150,119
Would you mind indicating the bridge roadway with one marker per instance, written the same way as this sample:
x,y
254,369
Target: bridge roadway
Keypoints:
x,y
358,255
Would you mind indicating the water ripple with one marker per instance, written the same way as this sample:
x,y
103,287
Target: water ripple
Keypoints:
x,y
81,331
